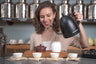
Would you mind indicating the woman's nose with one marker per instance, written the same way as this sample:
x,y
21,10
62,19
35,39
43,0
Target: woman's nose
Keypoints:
x,y
45,18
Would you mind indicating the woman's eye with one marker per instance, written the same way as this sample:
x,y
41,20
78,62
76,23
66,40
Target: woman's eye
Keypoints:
x,y
48,15
41,16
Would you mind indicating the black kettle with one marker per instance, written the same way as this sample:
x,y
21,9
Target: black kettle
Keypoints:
x,y
69,26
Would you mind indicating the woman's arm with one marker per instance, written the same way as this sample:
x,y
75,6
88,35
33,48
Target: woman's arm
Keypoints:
x,y
83,37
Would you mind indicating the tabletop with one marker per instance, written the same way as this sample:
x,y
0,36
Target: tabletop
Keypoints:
x,y
3,60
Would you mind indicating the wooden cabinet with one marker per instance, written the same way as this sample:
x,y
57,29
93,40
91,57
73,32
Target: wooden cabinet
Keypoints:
x,y
11,48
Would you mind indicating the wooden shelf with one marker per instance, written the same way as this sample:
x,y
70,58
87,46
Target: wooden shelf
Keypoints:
x,y
89,22
11,21
19,20
16,20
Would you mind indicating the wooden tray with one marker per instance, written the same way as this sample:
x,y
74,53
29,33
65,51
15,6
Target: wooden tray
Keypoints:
x,y
44,54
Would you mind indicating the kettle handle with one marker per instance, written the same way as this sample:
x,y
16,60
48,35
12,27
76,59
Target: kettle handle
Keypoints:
x,y
72,14
78,22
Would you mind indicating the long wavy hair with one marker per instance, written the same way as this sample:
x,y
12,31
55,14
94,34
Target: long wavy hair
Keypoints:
x,y
38,25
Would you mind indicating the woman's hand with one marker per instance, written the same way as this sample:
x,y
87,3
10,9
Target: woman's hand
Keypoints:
x,y
78,16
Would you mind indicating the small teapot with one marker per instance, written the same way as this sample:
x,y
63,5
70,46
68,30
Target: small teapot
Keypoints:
x,y
40,48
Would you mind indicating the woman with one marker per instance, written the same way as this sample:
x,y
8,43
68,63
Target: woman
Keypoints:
x,y
46,15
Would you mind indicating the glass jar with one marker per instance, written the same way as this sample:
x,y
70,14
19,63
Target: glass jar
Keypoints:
x,y
80,7
65,8
33,8
92,10
22,9
7,9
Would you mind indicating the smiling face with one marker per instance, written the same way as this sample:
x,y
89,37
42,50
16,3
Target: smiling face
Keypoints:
x,y
47,17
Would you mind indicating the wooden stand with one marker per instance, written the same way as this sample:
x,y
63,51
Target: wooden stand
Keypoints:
x,y
45,54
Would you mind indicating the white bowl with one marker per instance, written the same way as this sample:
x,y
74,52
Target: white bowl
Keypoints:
x,y
37,55
17,54
54,55
73,55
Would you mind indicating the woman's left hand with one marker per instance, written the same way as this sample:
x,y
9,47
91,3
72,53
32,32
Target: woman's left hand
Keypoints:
x,y
78,16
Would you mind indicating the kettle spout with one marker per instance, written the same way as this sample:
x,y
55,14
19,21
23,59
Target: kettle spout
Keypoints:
x,y
55,30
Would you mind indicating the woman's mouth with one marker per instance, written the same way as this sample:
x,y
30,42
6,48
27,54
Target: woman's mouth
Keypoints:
x,y
46,24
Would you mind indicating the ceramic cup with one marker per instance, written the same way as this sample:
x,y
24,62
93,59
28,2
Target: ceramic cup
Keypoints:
x,y
17,54
56,47
37,55
20,41
72,55
13,41
54,55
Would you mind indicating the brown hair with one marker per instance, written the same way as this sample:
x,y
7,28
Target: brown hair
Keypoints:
x,y
37,24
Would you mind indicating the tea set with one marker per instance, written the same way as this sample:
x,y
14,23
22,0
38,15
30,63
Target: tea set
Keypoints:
x,y
55,52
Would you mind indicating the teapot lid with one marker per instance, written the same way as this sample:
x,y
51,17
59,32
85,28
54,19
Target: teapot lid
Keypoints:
x,y
41,46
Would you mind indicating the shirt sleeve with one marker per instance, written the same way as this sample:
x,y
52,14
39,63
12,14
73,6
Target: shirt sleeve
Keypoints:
x,y
76,42
32,42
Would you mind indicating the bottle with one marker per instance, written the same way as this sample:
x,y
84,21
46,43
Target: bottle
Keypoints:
x,y
80,7
65,8
33,8
92,10
22,9
2,43
7,9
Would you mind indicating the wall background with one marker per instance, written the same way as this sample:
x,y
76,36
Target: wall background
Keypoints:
x,y
24,30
